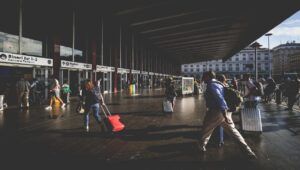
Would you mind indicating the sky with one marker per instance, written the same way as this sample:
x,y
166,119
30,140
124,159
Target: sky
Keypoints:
x,y
288,30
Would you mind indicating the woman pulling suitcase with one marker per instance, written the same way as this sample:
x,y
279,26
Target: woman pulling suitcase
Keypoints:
x,y
93,100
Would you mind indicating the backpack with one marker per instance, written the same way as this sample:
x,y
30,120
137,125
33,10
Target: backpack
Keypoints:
x,y
232,97
259,89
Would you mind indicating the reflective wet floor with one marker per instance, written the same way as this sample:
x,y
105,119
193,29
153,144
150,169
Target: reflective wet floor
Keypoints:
x,y
152,139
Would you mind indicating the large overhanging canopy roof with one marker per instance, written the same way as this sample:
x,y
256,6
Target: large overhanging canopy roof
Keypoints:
x,y
198,30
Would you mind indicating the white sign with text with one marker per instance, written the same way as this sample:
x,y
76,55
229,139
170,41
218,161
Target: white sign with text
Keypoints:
x,y
24,59
75,65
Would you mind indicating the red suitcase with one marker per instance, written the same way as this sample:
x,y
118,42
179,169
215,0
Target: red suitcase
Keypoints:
x,y
114,120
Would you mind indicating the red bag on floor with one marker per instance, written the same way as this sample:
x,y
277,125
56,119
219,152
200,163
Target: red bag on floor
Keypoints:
x,y
113,120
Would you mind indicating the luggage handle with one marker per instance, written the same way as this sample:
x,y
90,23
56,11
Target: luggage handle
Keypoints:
x,y
105,110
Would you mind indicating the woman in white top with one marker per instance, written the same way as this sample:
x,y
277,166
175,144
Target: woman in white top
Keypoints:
x,y
55,92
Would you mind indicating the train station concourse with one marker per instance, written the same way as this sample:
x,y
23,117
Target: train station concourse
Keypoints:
x,y
130,52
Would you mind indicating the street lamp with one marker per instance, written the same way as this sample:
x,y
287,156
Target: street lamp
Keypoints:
x,y
270,69
255,45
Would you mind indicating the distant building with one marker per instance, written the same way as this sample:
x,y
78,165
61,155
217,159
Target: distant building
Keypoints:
x,y
294,62
240,63
281,60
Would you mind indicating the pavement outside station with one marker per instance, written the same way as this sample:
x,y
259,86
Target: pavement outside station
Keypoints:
x,y
152,139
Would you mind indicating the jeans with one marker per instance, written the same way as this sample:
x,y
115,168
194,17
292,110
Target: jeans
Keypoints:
x,y
213,119
95,109
221,134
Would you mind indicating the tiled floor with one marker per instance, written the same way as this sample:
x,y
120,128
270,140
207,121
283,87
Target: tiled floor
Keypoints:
x,y
156,139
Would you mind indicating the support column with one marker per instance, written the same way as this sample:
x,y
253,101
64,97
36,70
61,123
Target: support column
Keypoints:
x,y
56,56
20,25
94,59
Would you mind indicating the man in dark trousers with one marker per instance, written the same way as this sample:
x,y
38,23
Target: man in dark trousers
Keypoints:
x,y
292,92
217,114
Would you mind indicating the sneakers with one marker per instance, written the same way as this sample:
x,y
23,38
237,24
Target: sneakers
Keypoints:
x,y
221,144
201,148
251,155
87,129
48,108
63,105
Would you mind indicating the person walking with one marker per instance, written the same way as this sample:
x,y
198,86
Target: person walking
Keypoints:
x,y
269,90
234,83
217,115
292,92
23,89
93,100
222,79
66,92
170,92
250,92
55,93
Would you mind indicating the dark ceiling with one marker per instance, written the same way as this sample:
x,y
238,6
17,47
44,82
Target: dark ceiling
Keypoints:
x,y
192,31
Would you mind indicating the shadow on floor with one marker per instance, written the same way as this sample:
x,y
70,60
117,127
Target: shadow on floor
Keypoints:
x,y
144,97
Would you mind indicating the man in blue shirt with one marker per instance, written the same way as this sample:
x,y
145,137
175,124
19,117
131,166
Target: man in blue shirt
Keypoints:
x,y
217,114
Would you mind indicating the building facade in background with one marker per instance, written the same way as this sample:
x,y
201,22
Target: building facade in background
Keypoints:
x,y
241,63
285,59
294,61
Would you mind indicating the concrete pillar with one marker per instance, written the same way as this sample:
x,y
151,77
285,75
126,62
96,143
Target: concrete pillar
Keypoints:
x,y
94,58
56,56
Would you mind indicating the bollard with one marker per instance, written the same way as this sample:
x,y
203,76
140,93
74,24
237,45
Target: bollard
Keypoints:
x,y
278,96
1,102
133,88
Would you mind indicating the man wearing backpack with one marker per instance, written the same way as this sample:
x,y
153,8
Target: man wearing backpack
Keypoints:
x,y
217,114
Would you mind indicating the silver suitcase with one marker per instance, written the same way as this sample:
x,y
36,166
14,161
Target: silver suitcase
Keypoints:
x,y
251,119
167,106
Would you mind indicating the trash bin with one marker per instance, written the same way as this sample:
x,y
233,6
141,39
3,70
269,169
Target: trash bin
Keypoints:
x,y
132,88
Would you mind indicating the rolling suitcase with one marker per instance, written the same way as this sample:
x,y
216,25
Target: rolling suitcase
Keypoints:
x,y
112,121
167,106
251,119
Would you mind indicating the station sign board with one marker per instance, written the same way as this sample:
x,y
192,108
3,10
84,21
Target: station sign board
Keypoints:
x,y
105,68
75,65
9,58
151,73
123,70
144,72
135,71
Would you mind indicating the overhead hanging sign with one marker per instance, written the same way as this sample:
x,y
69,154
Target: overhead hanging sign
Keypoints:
x,y
135,71
151,73
105,68
144,72
75,65
123,70
9,58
